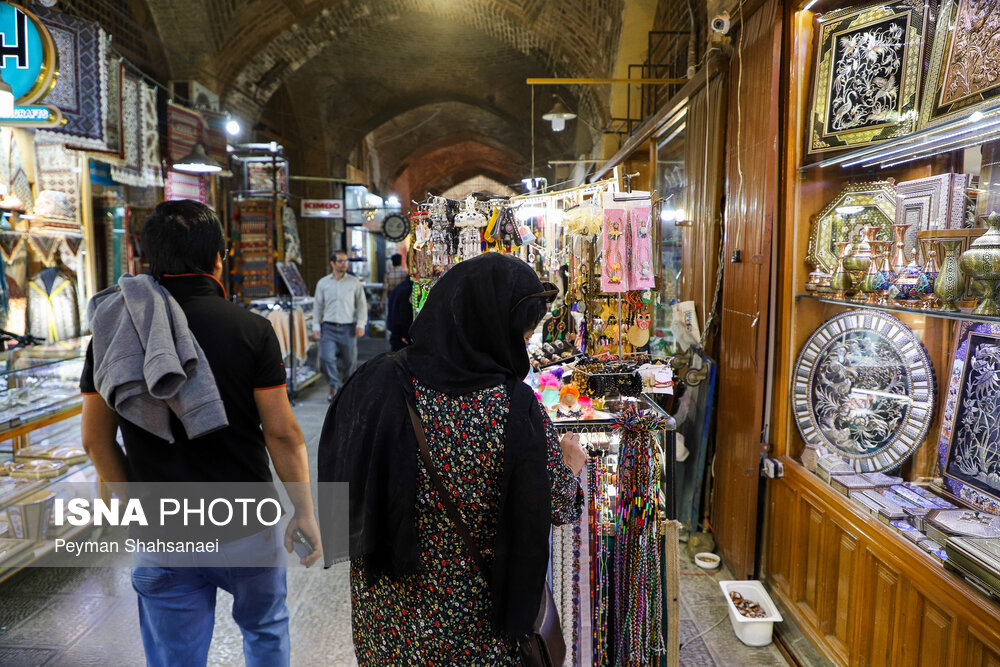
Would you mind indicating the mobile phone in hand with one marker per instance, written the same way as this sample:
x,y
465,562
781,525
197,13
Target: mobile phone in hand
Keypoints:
x,y
301,544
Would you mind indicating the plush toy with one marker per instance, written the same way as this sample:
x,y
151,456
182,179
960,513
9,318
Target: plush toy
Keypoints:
x,y
548,387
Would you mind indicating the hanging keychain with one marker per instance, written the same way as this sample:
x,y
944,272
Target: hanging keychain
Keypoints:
x,y
613,270
642,245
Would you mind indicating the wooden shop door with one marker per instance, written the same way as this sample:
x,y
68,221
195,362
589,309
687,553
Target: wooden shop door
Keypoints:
x,y
752,186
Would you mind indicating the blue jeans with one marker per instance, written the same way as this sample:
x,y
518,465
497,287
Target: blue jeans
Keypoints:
x,y
177,607
338,350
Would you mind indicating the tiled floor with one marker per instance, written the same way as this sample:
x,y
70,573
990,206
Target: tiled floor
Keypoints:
x,y
82,617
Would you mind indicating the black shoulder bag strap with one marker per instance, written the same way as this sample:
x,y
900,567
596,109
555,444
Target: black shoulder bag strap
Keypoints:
x,y
544,647
449,506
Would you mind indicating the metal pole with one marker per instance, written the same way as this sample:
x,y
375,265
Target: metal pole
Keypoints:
x,y
619,324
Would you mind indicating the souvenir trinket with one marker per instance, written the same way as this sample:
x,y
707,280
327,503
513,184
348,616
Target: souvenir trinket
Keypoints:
x,y
982,262
977,559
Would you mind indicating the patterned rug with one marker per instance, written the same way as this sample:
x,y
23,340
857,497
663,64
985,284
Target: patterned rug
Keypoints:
x,y
215,136
184,130
81,91
185,186
140,165
56,171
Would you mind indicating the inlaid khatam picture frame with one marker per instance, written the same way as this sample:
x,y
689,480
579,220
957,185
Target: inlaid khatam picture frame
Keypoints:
x,y
864,388
867,75
933,203
964,71
969,445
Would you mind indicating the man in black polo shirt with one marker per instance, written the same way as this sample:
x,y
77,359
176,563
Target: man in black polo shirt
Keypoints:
x,y
184,243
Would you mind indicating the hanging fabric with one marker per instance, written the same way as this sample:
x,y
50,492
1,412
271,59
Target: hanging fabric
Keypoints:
x,y
290,228
44,246
52,307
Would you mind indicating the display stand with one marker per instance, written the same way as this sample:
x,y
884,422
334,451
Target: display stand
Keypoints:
x,y
256,208
591,633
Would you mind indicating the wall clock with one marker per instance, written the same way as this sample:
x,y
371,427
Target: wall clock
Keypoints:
x,y
395,227
864,388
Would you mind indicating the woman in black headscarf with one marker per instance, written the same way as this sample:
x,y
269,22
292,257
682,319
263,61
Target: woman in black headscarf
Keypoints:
x,y
417,595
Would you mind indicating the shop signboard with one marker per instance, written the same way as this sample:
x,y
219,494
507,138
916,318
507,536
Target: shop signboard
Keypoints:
x,y
29,64
322,208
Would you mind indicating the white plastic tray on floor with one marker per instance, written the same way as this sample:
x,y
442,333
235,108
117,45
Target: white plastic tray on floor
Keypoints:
x,y
751,631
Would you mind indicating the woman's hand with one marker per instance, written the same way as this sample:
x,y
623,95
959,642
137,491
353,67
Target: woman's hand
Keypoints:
x,y
574,455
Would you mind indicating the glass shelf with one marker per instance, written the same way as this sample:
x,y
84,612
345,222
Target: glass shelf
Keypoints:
x,y
973,129
966,317
36,356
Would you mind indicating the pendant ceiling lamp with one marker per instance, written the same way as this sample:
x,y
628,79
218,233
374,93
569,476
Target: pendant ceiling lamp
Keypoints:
x,y
558,115
197,162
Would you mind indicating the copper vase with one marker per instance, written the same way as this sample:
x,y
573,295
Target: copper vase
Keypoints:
x,y
898,263
931,270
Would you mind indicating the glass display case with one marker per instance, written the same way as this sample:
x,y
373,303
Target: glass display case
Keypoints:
x,y
883,297
39,384
40,446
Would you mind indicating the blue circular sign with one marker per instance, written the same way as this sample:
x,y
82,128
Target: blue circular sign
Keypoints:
x,y
27,54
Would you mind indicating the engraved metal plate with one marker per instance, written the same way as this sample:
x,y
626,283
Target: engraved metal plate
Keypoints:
x,y
964,70
864,387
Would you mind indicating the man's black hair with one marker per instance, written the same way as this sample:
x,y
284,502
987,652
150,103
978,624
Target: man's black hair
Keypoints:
x,y
333,255
397,259
182,236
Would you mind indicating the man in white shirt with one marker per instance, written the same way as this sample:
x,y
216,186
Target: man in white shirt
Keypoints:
x,y
340,314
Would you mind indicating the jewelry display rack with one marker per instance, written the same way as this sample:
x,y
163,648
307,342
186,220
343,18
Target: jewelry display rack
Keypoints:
x,y
588,621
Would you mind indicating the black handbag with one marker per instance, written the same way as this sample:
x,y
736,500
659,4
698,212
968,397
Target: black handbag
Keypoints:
x,y
544,646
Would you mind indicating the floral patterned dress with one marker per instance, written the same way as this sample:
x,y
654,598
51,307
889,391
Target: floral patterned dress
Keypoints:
x,y
442,614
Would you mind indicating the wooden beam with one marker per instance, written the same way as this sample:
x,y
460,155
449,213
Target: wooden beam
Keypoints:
x,y
600,82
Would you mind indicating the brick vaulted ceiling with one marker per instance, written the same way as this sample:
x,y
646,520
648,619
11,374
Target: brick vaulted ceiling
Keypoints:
x,y
401,78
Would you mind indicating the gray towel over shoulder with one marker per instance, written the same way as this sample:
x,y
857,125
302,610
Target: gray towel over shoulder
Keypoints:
x,y
147,363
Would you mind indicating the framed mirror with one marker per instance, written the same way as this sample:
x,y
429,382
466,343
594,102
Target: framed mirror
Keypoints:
x,y
854,208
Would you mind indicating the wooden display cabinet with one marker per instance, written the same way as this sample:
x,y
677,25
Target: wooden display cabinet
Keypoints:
x,y
863,594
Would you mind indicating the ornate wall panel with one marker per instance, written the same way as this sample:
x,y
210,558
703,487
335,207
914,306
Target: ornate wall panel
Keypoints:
x,y
836,612
867,75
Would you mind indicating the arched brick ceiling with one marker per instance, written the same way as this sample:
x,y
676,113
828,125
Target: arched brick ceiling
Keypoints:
x,y
415,132
253,45
417,78
478,183
364,63
439,168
